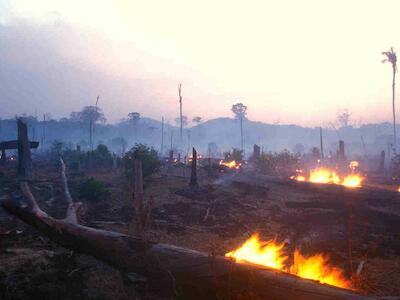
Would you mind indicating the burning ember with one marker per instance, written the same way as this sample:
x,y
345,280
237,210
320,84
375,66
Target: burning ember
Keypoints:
x,y
325,175
230,164
271,254
353,165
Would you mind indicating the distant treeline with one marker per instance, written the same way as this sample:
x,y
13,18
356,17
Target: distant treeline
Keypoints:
x,y
222,134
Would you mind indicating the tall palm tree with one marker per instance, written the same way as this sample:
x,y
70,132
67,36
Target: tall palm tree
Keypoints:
x,y
240,110
391,57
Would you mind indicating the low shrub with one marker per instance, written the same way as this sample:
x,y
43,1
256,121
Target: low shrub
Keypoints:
x,y
92,190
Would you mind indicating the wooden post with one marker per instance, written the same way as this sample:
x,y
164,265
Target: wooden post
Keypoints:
x,y
193,175
24,151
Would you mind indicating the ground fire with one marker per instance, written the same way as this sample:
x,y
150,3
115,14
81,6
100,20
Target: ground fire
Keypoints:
x,y
326,175
272,254
230,164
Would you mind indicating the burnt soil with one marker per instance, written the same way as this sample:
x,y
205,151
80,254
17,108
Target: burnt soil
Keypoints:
x,y
214,219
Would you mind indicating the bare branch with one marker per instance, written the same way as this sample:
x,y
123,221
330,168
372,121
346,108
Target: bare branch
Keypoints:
x,y
31,199
71,215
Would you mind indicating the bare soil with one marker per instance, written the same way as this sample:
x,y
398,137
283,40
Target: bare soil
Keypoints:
x,y
215,219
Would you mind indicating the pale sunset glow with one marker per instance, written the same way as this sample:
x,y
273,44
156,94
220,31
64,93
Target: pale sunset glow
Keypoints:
x,y
286,60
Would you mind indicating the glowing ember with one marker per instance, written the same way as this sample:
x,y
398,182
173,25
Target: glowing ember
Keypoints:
x,y
300,178
353,164
270,254
230,164
258,252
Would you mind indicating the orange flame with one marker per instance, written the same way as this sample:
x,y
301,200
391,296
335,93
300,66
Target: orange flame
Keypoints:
x,y
258,252
316,267
271,254
230,164
324,175
353,180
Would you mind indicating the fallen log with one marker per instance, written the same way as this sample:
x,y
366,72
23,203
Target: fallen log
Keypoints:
x,y
187,273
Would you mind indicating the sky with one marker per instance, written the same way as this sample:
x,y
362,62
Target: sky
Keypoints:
x,y
290,62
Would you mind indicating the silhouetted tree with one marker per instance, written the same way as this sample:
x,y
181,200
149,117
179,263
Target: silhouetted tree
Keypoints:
x,y
183,120
343,118
197,120
134,118
240,111
391,58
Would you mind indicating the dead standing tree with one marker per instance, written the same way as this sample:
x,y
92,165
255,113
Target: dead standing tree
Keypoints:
x,y
24,150
180,110
193,175
141,207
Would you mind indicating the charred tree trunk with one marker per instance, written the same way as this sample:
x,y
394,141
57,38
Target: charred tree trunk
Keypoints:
x,y
180,111
256,152
142,208
381,169
3,157
321,143
24,151
193,174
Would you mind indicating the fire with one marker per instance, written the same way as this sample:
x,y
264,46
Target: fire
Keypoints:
x,y
354,164
325,175
353,180
271,254
316,267
300,178
258,252
230,164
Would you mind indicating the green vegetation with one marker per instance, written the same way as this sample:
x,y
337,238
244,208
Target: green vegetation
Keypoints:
x,y
148,156
92,190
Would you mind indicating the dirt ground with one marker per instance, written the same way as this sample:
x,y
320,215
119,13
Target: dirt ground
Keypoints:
x,y
215,220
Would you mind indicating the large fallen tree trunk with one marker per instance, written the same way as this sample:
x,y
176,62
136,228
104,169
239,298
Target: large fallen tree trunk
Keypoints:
x,y
189,273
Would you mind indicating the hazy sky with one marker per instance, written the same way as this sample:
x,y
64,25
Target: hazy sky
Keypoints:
x,y
288,61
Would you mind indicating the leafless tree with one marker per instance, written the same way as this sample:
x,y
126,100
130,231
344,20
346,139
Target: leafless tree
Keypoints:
x,y
343,118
